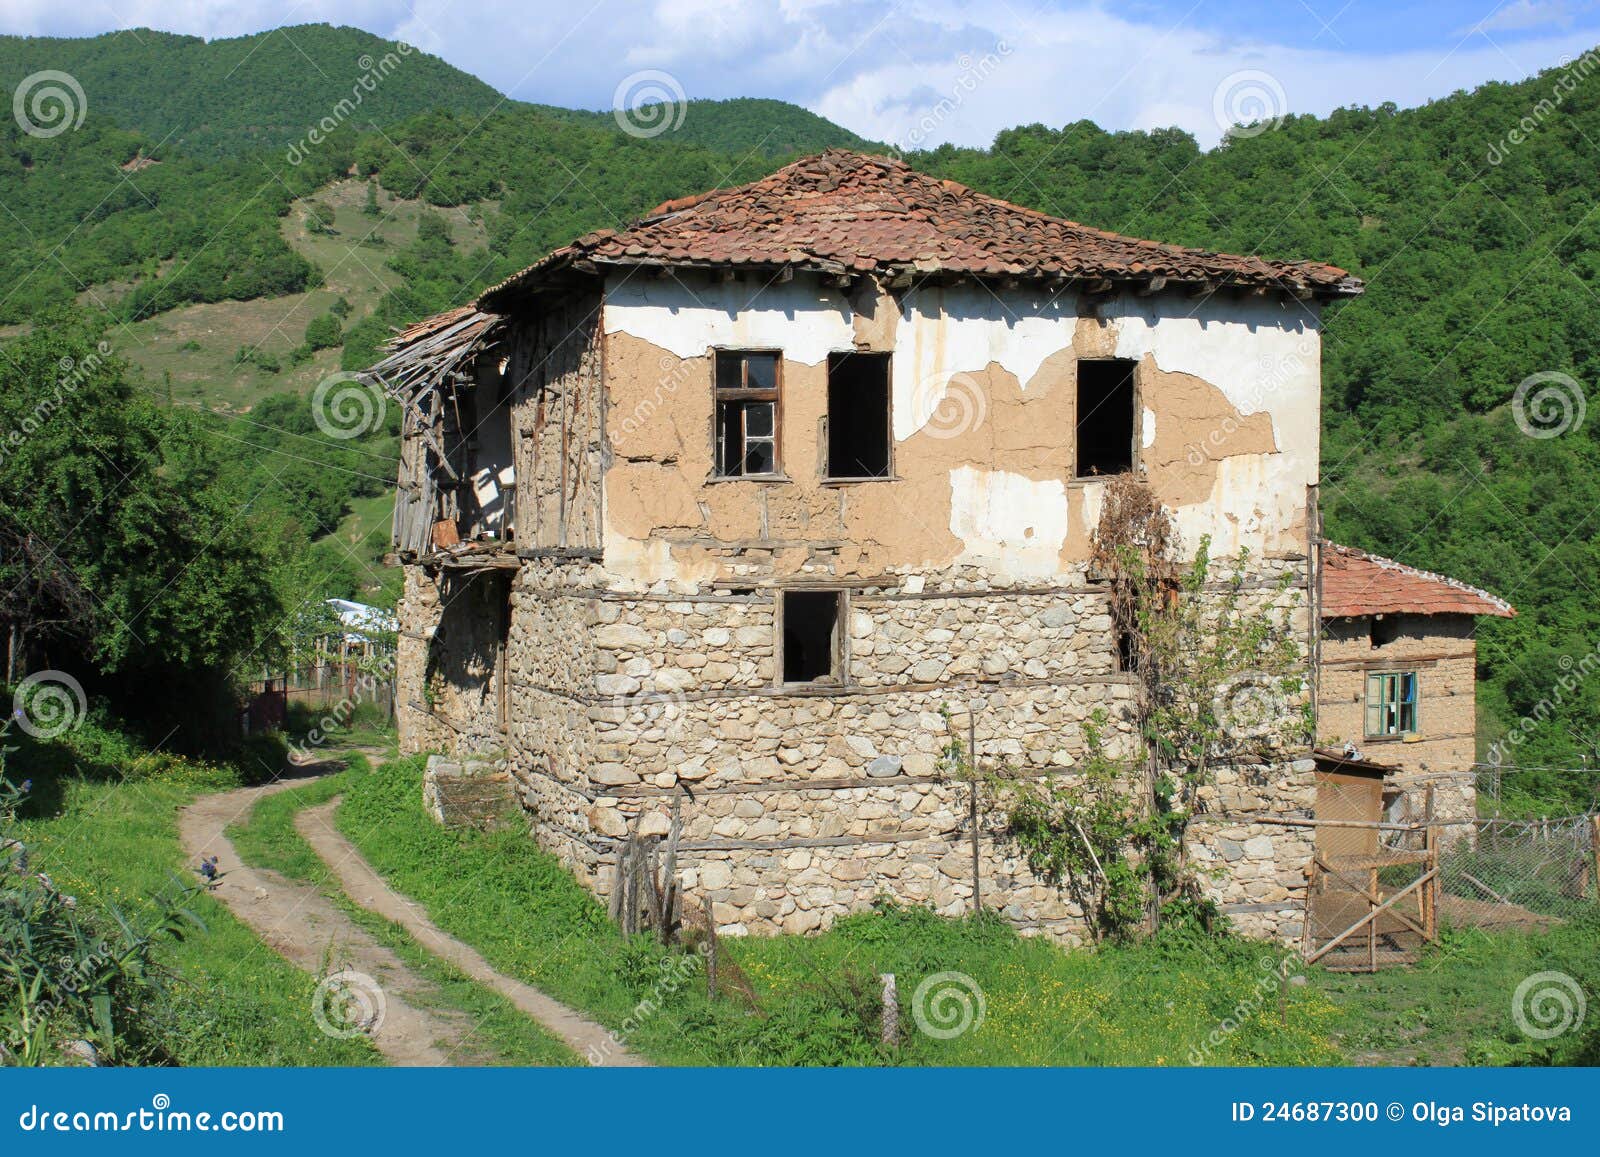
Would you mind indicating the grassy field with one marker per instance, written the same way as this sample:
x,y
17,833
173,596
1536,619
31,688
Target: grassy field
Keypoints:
x,y
365,531
817,998
102,822
1179,999
192,352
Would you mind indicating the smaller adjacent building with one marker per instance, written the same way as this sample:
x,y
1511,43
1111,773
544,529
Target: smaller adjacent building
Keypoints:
x,y
1396,677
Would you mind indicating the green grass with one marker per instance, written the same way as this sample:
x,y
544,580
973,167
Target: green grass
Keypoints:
x,y
818,996
1455,1006
501,1033
195,348
102,822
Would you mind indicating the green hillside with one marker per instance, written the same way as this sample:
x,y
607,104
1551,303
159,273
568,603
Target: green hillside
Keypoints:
x,y
741,125
1479,257
261,92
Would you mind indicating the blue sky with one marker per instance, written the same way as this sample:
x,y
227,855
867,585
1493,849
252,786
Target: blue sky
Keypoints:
x,y
920,72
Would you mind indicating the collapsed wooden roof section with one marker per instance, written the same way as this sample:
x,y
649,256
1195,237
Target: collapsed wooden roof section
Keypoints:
x,y
433,353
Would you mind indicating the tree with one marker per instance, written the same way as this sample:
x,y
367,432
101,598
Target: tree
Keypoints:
x,y
124,553
324,332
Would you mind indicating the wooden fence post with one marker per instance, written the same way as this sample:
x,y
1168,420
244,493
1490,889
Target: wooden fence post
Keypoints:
x,y
711,953
1594,853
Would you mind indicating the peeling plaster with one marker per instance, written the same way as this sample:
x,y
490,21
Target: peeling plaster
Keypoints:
x,y
1263,356
1228,428
1010,521
799,317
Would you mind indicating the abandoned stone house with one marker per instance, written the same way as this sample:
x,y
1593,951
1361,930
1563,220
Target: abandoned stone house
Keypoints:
x,y
751,508
1397,682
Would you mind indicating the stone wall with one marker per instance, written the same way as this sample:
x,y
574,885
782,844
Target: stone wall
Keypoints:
x,y
643,662
803,804
448,672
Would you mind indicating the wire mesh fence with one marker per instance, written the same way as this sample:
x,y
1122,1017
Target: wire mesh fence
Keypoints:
x,y
1503,872
1397,858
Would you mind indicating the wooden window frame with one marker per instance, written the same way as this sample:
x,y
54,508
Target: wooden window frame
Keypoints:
x,y
826,455
840,644
1392,679
727,395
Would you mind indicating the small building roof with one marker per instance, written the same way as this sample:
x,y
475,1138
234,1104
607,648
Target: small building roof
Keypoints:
x,y
845,213
1332,759
360,621
1357,583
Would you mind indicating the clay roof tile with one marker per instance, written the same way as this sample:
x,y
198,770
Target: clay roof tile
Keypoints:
x,y
1357,583
828,210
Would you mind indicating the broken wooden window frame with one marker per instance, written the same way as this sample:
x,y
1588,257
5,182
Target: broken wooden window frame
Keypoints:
x,y
727,395
1135,407
826,456
1393,704
839,641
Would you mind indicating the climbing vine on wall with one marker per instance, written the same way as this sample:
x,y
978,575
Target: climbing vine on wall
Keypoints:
x,y
1218,669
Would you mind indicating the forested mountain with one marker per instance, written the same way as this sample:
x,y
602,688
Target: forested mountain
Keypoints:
x,y
230,97
1479,254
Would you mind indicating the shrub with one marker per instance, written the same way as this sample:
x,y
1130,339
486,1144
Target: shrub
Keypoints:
x,y
66,977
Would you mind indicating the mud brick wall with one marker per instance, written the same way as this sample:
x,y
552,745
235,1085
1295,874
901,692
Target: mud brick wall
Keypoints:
x,y
1442,650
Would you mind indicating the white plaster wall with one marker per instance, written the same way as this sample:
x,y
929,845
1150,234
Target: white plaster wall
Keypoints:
x,y
804,320
1263,355
1009,521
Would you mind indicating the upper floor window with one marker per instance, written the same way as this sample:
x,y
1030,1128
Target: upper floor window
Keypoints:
x,y
1105,424
859,440
1392,703
747,397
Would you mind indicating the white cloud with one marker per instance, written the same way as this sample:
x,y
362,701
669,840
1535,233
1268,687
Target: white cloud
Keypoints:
x,y
910,71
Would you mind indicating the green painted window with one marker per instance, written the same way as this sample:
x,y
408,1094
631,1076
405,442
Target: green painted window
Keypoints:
x,y
1392,703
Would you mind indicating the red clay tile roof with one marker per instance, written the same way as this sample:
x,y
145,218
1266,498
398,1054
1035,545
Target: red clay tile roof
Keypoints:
x,y
842,212
1357,583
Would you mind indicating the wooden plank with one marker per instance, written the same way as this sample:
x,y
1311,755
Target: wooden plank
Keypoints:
x,y
1372,916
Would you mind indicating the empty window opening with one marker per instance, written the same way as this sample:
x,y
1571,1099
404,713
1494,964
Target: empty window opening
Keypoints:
x,y
810,636
858,415
1125,651
1105,417
747,413
1392,703
1384,630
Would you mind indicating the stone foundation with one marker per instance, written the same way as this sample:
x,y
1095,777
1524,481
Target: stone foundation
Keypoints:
x,y
803,803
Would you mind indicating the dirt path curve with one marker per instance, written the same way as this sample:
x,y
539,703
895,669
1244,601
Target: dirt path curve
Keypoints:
x,y
302,925
368,889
